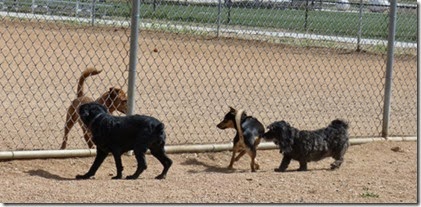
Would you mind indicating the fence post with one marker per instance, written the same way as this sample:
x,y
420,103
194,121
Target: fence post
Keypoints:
x,y
219,17
33,7
360,26
306,16
389,69
77,8
93,12
134,36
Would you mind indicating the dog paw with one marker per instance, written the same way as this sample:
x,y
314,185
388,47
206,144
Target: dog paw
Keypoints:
x,y
334,167
131,177
116,177
256,166
82,177
160,177
279,170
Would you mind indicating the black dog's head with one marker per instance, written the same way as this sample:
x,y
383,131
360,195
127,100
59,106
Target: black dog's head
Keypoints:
x,y
89,111
281,133
229,119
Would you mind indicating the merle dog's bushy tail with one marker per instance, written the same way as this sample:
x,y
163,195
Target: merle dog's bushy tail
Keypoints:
x,y
338,123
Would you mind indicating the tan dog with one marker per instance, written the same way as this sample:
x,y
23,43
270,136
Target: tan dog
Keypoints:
x,y
114,99
249,132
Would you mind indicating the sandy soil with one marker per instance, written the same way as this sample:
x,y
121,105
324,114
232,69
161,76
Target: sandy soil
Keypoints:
x,y
372,173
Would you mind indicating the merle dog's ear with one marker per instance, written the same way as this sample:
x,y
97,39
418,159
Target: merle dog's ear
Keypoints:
x,y
271,127
287,139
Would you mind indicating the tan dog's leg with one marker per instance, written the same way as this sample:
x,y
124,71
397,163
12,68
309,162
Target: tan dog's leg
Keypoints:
x,y
234,150
253,153
253,164
88,137
256,143
71,119
240,155
232,160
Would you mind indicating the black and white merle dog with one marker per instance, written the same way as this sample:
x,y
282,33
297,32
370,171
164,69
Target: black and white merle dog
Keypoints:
x,y
305,146
120,134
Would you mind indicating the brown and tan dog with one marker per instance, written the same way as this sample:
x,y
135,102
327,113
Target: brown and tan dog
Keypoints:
x,y
114,99
249,132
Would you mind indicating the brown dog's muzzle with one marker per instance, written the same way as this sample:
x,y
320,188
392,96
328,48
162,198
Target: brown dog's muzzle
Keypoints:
x,y
225,124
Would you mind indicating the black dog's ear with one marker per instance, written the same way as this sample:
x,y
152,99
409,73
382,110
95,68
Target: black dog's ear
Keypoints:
x,y
83,112
103,108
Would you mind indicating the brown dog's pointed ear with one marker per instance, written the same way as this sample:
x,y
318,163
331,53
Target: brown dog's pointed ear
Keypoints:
x,y
113,92
232,109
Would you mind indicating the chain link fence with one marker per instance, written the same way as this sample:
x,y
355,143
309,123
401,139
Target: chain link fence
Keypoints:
x,y
306,62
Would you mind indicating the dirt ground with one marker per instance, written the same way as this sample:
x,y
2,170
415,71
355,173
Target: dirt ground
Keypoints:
x,y
371,173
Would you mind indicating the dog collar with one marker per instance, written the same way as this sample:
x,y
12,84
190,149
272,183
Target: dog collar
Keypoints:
x,y
94,119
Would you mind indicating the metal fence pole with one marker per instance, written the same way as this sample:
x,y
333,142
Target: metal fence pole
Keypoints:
x,y
360,25
219,17
33,6
93,12
77,8
389,68
134,36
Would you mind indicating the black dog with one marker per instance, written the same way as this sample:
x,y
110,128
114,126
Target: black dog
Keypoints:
x,y
121,134
306,146
249,131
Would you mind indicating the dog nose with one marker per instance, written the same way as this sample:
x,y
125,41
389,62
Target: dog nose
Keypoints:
x,y
220,125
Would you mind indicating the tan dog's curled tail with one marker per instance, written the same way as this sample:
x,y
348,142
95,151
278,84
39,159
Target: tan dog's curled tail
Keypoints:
x,y
88,72
238,116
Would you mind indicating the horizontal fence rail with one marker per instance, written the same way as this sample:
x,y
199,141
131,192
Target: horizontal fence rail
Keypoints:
x,y
306,62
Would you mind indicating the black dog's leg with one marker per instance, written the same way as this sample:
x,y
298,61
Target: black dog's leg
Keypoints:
x,y
339,158
159,152
100,157
141,161
119,166
284,164
303,165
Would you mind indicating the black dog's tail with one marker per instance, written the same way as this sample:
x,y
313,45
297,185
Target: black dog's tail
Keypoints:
x,y
338,123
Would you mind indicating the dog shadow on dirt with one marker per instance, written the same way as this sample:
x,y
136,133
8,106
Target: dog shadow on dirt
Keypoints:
x,y
46,174
209,167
